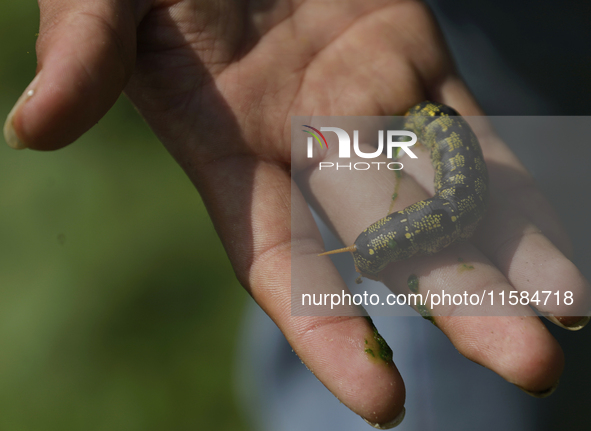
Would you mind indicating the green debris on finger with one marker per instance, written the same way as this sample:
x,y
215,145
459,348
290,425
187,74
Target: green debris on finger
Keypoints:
x,y
464,266
413,283
426,313
376,347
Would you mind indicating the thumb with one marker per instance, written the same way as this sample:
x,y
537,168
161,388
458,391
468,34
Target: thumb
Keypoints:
x,y
85,54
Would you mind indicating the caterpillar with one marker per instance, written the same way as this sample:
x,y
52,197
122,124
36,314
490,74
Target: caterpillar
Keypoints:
x,y
452,214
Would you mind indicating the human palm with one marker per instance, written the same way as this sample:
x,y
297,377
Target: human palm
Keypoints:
x,y
218,82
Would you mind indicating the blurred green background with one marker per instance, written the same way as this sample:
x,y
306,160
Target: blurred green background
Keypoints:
x,y
118,307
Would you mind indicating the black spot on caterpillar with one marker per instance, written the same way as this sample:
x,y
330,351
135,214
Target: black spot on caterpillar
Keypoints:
x,y
461,195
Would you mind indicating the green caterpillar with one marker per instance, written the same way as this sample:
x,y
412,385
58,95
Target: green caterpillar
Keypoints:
x,y
460,201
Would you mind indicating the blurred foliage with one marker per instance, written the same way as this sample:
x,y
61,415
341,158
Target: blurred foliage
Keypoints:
x,y
118,307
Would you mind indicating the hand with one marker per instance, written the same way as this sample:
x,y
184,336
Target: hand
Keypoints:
x,y
218,82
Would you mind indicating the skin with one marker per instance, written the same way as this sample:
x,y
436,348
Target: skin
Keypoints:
x,y
218,82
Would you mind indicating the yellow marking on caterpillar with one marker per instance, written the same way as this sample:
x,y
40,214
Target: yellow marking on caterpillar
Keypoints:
x,y
454,142
457,162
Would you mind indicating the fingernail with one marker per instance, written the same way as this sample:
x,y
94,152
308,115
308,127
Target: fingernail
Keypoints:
x,y
10,135
579,324
388,425
541,394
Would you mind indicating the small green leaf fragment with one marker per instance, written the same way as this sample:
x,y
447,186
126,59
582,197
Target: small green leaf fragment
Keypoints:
x,y
465,267
385,350
413,283
425,313
378,345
